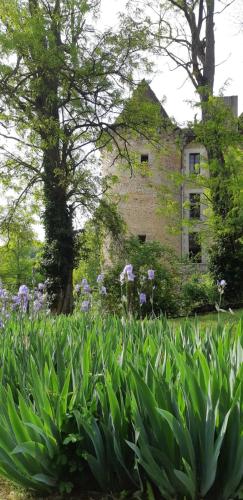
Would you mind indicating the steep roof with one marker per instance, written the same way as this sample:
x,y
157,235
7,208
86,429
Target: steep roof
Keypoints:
x,y
146,93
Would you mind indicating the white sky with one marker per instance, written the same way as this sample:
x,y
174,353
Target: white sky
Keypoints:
x,y
229,58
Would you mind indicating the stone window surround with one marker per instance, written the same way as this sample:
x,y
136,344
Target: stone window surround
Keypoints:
x,y
197,243
186,190
195,208
186,154
186,198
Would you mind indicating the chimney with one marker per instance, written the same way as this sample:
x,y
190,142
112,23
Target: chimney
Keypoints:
x,y
232,102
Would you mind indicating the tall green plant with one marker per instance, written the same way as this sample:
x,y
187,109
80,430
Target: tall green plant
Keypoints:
x,y
117,403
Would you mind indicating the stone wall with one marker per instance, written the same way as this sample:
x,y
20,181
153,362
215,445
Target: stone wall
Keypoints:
x,y
142,192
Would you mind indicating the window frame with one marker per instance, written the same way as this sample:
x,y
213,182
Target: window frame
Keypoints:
x,y
197,257
194,171
143,155
194,148
142,238
196,205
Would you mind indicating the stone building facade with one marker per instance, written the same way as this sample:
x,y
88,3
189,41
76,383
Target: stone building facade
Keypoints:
x,y
158,201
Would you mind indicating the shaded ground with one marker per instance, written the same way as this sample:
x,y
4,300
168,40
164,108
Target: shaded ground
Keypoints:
x,y
8,491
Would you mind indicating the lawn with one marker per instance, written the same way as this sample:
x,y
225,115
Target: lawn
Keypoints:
x,y
210,319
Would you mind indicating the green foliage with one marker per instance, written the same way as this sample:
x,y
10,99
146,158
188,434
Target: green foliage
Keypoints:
x,y
143,108
175,290
220,134
119,404
162,292
90,242
20,252
226,254
227,265
219,130
105,223
198,292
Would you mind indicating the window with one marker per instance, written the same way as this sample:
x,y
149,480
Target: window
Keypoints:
x,y
144,158
142,238
194,210
195,247
194,163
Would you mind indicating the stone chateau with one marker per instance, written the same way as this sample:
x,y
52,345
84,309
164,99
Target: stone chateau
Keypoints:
x,y
159,200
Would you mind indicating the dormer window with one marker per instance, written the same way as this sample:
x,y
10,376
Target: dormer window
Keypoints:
x,y
194,163
144,158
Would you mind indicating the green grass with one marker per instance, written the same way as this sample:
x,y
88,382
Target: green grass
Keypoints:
x,y
212,318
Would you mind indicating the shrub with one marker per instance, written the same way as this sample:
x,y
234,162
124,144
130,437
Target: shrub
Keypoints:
x,y
161,292
198,293
222,257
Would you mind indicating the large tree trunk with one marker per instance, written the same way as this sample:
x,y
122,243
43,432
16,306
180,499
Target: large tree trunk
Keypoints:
x,y
58,259
209,63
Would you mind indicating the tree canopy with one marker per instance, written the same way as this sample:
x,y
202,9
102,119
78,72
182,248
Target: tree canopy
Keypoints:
x,y
20,251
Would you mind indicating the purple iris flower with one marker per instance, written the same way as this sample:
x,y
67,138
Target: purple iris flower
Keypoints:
x,y
100,278
23,290
84,282
221,286
127,273
142,298
150,274
41,287
86,288
128,269
77,288
16,301
85,306
24,298
130,276
37,305
40,297
24,307
222,283
103,290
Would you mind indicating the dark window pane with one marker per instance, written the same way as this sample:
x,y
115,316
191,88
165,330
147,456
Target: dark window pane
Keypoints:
x,y
195,248
142,238
194,163
144,158
194,199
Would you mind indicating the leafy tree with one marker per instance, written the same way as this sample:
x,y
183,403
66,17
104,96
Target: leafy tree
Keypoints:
x,y
20,252
106,226
62,86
